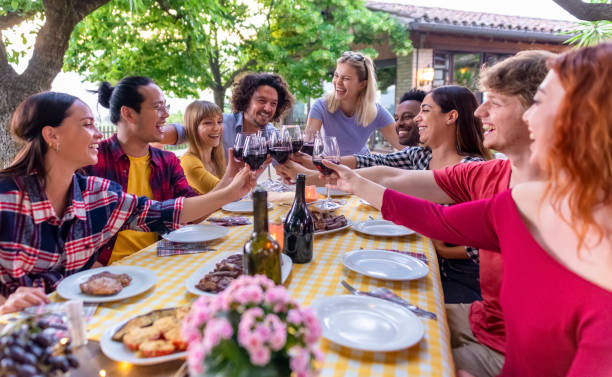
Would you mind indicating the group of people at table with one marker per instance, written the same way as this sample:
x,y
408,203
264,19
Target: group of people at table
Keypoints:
x,y
530,294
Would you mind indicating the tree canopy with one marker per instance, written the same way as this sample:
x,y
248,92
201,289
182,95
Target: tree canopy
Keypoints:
x,y
188,46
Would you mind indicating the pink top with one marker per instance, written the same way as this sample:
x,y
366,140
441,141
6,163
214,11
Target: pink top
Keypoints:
x,y
557,323
464,183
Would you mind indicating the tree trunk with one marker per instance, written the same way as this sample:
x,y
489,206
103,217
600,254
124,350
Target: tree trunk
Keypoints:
x,y
219,97
61,16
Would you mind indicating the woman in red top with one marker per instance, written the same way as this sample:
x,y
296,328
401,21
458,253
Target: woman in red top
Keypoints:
x,y
555,235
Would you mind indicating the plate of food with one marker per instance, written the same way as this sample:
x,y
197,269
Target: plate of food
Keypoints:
x,y
326,222
147,339
196,233
105,284
332,192
219,272
242,206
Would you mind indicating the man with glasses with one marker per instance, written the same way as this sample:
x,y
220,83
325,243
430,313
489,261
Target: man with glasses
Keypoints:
x,y
138,108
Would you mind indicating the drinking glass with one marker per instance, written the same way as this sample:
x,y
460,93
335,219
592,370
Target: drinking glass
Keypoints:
x,y
280,147
309,138
255,151
326,147
297,139
239,145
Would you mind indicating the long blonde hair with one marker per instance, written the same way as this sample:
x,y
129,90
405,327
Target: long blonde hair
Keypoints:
x,y
366,109
194,114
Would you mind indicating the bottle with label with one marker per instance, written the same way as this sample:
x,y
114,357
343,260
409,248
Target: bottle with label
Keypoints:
x,y
261,253
299,227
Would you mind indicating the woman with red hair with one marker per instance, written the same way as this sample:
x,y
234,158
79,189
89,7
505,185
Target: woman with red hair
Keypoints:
x,y
555,235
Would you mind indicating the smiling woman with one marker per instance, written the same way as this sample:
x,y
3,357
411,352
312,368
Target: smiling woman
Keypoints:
x,y
350,112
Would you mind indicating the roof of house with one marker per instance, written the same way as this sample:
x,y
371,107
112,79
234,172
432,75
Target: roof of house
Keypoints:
x,y
432,19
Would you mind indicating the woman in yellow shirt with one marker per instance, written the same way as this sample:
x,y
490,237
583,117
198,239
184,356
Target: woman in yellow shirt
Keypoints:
x,y
204,162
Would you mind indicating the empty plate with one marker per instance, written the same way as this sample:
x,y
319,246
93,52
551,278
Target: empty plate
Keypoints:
x,y
332,192
243,206
367,323
196,233
385,265
382,228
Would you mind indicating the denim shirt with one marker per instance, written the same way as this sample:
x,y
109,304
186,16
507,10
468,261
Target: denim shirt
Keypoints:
x,y
232,125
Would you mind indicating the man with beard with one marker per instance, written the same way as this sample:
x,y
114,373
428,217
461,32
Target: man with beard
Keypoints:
x,y
406,111
257,100
477,330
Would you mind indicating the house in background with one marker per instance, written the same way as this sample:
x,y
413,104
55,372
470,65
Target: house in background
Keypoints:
x,y
450,46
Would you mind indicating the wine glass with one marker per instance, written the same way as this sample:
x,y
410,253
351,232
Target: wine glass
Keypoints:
x,y
255,151
280,147
326,147
297,139
309,138
239,145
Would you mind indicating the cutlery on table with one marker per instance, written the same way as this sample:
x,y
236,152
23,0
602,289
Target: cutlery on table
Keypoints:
x,y
386,294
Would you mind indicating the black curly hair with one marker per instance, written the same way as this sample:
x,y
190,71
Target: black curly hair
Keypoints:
x,y
245,87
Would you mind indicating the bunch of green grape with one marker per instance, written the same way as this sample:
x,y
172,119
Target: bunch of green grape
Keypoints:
x,y
31,348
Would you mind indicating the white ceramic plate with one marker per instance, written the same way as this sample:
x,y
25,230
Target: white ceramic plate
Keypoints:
x,y
195,278
382,228
367,323
349,223
385,265
332,192
243,206
197,233
142,280
319,203
118,352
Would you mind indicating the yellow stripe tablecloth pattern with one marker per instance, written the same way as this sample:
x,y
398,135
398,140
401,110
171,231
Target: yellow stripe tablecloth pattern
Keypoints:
x,y
321,277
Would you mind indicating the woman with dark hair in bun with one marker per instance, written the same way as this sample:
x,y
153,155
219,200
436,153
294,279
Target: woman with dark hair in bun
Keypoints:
x,y
54,220
138,108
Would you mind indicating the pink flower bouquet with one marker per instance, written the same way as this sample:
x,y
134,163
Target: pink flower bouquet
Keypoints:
x,y
252,328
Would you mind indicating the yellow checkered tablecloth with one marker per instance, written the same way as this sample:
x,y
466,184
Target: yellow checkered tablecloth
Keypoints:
x,y
321,277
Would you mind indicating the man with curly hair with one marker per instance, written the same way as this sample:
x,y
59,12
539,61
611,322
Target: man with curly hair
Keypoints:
x,y
257,100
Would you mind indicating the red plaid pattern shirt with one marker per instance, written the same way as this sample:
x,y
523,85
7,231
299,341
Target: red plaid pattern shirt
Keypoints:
x,y
167,179
38,249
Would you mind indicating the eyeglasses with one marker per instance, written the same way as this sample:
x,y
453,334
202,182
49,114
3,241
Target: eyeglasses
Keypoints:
x,y
162,108
357,56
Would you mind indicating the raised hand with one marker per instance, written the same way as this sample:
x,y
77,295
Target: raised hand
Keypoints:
x,y
233,165
290,169
345,179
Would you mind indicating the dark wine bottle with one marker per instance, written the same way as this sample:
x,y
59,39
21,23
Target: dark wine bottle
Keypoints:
x,y
299,227
261,253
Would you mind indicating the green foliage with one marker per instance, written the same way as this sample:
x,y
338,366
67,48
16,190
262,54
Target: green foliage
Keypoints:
x,y
192,45
589,33
27,10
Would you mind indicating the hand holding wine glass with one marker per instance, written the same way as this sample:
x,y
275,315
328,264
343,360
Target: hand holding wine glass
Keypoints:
x,y
326,148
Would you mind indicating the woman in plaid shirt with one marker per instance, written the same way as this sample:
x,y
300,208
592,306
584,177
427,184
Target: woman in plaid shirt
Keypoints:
x,y
53,220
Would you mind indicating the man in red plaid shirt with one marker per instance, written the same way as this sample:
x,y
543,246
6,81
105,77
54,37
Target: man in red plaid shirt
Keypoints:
x,y
138,108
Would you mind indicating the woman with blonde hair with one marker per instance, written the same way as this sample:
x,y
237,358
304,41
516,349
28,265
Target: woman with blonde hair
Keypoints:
x,y
204,161
555,235
350,112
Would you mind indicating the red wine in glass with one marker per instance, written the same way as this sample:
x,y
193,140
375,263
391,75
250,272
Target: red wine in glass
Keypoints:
x,y
318,162
238,154
280,154
307,148
255,160
296,145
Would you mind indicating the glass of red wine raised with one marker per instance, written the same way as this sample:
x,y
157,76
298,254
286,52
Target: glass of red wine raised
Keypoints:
x,y
280,147
326,147
239,145
297,139
255,153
